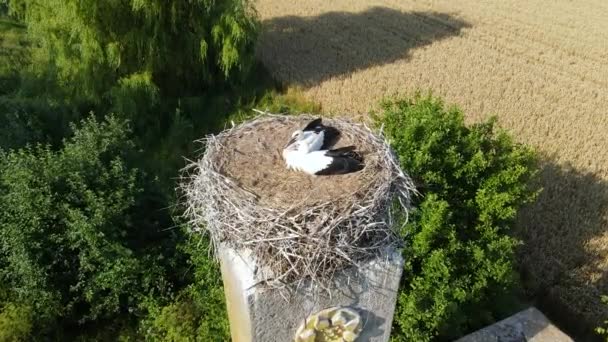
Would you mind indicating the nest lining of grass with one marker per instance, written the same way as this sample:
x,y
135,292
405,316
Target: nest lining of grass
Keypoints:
x,y
297,227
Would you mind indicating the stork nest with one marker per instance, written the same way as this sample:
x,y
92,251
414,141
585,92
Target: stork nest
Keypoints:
x,y
297,226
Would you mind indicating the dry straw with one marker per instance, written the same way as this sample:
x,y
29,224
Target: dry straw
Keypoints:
x,y
300,241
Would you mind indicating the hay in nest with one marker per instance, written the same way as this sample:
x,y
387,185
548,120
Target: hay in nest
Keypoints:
x,y
297,226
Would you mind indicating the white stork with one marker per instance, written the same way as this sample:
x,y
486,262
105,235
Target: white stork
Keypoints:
x,y
315,136
322,162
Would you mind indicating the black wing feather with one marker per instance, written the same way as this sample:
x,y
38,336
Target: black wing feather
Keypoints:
x,y
313,125
330,134
330,137
340,151
344,160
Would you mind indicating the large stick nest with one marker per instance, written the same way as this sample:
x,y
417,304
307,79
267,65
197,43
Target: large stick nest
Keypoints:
x,y
297,226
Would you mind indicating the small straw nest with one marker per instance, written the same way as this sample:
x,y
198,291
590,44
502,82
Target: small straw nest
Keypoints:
x,y
296,226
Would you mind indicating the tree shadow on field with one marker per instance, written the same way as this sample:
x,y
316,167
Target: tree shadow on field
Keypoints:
x,y
307,50
564,260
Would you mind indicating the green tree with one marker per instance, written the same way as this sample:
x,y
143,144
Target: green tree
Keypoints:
x,y
80,232
15,322
459,252
198,312
174,47
32,120
14,8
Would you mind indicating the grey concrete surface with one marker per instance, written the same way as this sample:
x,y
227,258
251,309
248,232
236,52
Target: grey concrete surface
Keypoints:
x,y
258,315
529,325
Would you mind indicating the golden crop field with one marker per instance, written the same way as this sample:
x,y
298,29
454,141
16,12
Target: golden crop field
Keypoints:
x,y
540,66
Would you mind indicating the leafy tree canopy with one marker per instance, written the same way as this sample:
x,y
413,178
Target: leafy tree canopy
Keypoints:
x,y
80,235
459,257
179,47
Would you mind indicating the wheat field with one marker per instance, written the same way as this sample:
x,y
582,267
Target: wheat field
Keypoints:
x,y
540,66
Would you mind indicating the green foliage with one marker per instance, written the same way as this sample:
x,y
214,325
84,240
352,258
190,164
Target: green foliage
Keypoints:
x,y
289,101
170,137
13,53
135,93
77,239
26,115
198,312
87,248
32,120
13,8
459,257
179,47
15,322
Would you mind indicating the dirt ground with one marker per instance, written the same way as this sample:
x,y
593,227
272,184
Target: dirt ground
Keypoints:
x,y
540,66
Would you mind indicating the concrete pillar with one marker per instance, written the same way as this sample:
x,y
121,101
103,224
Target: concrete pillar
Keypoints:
x,y
362,301
529,325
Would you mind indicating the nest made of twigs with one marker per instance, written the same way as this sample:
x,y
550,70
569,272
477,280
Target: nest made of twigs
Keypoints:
x,y
297,226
